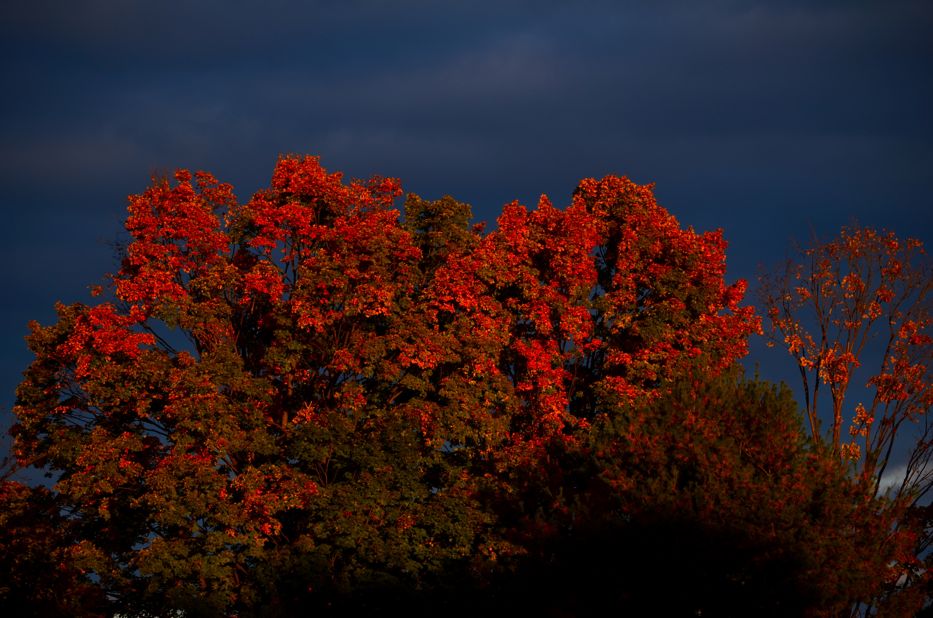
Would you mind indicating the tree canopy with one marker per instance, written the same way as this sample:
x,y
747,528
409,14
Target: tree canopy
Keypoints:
x,y
313,400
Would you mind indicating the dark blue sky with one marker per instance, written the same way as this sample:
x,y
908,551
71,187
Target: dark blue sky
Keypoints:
x,y
772,120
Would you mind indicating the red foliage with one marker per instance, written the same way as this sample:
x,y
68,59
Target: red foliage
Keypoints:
x,y
306,394
858,308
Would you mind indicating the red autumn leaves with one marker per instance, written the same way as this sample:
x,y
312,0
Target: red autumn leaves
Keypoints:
x,y
312,390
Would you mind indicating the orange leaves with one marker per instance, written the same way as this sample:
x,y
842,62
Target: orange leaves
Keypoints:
x,y
110,332
835,366
304,201
861,423
852,285
307,374
265,492
303,177
850,451
858,307
263,280
101,331
662,287
331,252
176,236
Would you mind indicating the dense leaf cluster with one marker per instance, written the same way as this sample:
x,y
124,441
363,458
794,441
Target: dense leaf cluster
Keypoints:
x,y
309,401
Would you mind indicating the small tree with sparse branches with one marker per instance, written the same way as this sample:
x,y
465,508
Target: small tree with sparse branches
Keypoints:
x,y
860,305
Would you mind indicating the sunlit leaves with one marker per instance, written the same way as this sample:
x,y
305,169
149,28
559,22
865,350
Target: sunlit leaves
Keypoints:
x,y
864,297
857,310
282,402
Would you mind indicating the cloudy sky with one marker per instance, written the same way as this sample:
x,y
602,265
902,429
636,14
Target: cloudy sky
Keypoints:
x,y
772,120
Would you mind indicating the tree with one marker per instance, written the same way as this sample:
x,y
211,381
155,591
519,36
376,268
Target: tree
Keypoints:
x,y
707,500
713,489
308,401
728,455
562,314
864,300
36,542
245,408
